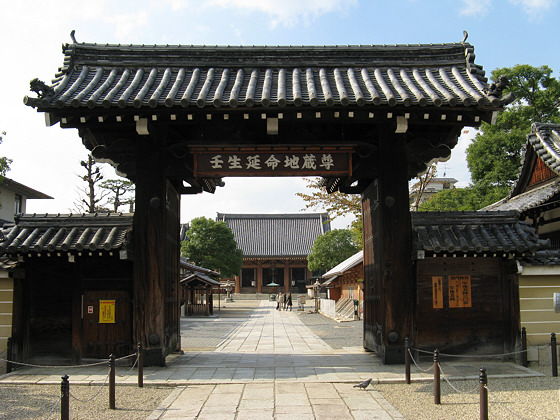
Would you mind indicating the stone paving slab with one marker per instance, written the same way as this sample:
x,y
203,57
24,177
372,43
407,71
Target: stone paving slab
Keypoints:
x,y
270,365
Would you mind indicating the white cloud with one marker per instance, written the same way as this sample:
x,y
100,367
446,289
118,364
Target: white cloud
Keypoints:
x,y
476,8
534,8
127,26
287,12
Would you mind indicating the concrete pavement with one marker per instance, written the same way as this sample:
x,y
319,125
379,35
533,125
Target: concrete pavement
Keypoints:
x,y
268,365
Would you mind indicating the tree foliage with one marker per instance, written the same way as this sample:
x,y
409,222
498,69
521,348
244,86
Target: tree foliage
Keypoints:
x,y
463,199
212,245
336,204
120,192
331,248
495,155
4,161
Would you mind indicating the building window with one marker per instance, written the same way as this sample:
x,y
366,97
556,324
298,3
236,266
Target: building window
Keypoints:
x,y
18,208
273,275
248,277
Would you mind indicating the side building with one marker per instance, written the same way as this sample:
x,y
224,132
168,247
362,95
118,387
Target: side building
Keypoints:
x,y
536,196
13,201
275,249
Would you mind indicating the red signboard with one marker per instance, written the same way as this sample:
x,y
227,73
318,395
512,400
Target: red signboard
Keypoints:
x,y
272,163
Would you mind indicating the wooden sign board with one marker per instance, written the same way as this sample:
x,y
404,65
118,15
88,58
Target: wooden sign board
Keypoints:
x,y
272,163
437,292
107,311
460,292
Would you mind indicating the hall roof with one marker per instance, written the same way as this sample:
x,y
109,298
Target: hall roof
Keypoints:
x,y
55,233
102,76
477,232
542,155
276,235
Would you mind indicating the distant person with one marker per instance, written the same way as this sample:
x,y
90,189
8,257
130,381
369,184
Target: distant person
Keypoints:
x,y
290,301
285,301
278,297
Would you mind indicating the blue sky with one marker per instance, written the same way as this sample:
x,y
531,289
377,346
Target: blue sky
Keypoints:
x,y
503,32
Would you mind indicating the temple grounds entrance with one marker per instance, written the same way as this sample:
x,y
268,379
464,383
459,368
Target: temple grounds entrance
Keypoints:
x,y
177,119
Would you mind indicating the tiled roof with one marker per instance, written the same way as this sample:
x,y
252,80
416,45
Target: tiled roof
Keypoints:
x,y
67,233
24,190
200,277
547,257
467,233
149,76
545,139
345,265
276,235
528,199
184,264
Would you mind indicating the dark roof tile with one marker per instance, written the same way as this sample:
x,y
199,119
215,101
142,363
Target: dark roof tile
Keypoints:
x,y
475,233
276,235
135,76
67,232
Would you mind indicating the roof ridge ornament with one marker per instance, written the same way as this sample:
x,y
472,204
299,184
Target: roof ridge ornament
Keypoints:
x,y
73,36
494,91
465,36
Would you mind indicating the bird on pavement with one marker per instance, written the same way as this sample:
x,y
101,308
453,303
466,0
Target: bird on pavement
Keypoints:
x,y
363,385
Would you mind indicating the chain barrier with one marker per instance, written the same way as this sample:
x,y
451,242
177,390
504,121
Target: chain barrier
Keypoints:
x,y
130,370
53,409
65,366
483,356
55,366
453,387
416,364
96,394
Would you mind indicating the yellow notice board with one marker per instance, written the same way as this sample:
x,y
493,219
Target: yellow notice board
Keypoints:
x,y
107,311
437,292
460,292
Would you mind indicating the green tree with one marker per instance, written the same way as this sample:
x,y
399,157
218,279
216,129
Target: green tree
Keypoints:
x,y
120,192
331,248
495,155
211,245
463,199
4,161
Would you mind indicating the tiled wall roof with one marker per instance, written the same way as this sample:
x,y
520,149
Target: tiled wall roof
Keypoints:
x,y
545,139
475,233
276,235
136,76
67,233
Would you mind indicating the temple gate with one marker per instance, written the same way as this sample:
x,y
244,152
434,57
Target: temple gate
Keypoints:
x,y
177,119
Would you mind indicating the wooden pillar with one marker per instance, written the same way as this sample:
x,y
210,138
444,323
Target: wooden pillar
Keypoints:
x,y
388,282
287,284
149,226
259,277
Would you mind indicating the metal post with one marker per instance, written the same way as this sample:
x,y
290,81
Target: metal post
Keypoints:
x,y
112,381
437,385
9,354
524,361
554,354
65,398
483,391
140,355
407,360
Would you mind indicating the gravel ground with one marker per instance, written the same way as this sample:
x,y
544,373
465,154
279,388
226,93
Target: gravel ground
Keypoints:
x,y
335,334
508,398
43,401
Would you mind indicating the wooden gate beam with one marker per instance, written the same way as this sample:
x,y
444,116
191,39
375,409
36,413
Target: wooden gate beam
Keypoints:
x,y
388,273
149,239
